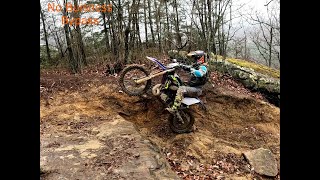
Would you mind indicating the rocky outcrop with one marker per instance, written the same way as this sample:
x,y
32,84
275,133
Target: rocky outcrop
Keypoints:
x,y
113,149
262,161
251,79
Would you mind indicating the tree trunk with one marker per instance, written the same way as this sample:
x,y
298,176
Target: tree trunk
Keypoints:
x,y
126,45
203,34
145,22
106,35
137,24
150,22
245,47
212,46
213,30
219,42
79,36
130,31
120,33
175,6
57,39
157,15
114,43
59,44
72,62
45,33
270,45
168,30
226,39
206,24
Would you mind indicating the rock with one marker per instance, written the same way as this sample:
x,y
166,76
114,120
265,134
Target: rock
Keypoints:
x,y
136,155
184,167
249,84
220,177
118,150
267,85
262,161
42,171
242,74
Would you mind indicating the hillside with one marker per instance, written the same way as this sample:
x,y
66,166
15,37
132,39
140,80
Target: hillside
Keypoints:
x,y
91,127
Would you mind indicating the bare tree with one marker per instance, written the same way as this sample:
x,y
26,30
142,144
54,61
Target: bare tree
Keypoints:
x,y
167,25
105,30
150,22
56,36
45,33
212,28
178,35
137,21
145,22
157,16
267,36
80,45
72,62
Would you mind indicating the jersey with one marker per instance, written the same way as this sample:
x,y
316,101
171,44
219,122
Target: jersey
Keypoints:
x,y
198,76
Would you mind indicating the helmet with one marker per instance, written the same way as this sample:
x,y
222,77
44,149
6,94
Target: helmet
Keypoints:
x,y
197,57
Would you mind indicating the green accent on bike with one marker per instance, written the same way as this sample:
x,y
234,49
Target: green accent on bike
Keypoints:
x,y
167,85
175,79
174,107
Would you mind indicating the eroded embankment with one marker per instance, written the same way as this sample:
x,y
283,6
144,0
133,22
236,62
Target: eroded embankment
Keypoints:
x,y
230,126
79,131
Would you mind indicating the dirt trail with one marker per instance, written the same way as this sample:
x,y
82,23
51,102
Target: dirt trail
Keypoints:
x,y
80,133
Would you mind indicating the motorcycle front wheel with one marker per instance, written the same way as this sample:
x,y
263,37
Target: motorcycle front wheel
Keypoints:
x,y
181,127
128,77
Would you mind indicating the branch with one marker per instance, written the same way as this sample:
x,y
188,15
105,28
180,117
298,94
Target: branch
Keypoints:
x,y
264,36
257,45
114,4
268,3
261,22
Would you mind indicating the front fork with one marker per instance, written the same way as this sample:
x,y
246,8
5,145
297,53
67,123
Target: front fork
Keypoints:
x,y
179,117
165,100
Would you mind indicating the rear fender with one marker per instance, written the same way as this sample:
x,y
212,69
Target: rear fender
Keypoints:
x,y
163,67
188,101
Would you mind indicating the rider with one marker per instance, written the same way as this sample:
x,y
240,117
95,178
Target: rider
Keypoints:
x,y
198,78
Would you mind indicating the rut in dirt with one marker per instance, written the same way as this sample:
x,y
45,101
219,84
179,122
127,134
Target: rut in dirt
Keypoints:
x,y
231,125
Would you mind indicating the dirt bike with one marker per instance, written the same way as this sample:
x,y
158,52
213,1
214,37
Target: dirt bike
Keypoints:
x,y
140,78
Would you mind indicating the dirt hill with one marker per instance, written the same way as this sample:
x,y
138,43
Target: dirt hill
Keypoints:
x,y
91,130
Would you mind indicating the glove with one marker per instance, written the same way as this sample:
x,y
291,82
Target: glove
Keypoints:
x,y
196,65
185,67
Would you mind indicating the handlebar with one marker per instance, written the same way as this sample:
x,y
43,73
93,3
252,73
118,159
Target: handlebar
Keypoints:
x,y
178,66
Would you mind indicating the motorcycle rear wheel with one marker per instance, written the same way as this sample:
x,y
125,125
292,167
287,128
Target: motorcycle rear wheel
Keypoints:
x,y
177,126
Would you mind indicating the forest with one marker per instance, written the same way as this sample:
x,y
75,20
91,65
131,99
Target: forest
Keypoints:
x,y
124,31
104,96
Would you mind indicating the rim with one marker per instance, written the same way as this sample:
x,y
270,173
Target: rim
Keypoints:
x,y
186,117
130,85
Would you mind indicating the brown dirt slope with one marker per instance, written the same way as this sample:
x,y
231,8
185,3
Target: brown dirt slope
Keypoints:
x,y
89,130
